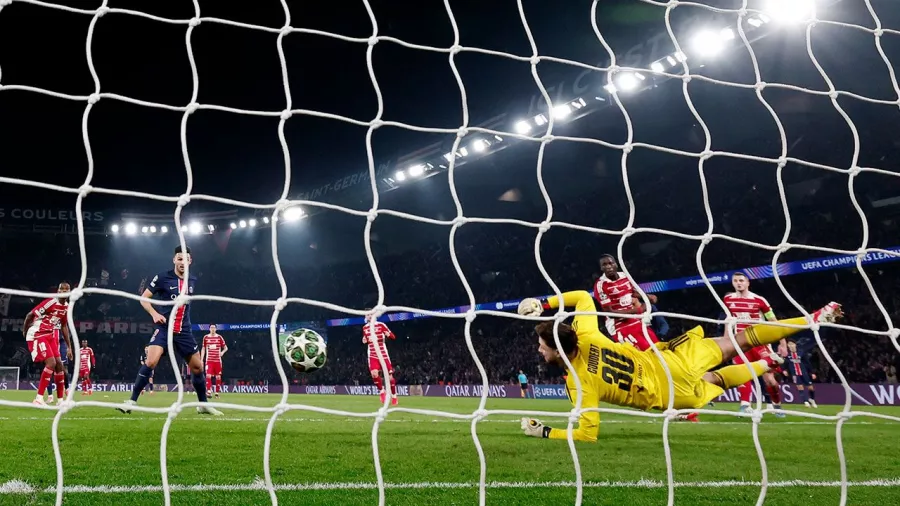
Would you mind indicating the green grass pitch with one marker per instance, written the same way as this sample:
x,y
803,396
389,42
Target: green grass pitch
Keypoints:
x,y
113,459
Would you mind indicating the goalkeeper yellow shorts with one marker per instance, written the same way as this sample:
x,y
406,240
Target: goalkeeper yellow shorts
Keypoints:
x,y
689,356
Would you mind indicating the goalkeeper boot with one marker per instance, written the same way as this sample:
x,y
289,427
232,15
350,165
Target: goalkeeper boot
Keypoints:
x,y
127,411
209,410
829,314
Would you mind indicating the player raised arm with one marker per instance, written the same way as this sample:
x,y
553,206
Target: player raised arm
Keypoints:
x,y
580,299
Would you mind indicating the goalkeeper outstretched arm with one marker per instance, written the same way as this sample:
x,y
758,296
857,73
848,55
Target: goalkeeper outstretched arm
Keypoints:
x,y
588,423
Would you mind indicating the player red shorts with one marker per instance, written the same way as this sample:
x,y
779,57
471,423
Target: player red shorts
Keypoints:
x,y
758,353
84,373
375,365
633,334
43,347
214,368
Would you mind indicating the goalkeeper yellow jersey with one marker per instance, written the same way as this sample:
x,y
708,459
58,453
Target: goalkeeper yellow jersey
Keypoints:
x,y
608,371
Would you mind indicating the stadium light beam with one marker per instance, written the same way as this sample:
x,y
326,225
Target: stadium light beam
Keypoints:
x,y
195,228
130,229
114,229
416,170
707,43
293,213
628,81
523,127
790,11
242,223
562,111
252,223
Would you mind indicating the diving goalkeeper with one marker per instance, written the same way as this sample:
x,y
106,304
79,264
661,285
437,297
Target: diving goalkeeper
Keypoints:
x,y
620,374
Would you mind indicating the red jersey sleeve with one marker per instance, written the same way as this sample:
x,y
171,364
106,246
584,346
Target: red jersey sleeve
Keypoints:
x,y
764,306
93,359
600,296
42,308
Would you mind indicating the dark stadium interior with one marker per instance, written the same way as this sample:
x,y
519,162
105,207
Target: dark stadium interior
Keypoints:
x,y
323,257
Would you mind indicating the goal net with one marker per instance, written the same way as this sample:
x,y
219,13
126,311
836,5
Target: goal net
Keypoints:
x,y
699,34
9,378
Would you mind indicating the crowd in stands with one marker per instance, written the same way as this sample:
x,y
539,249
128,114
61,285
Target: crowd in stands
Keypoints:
x,y
498,263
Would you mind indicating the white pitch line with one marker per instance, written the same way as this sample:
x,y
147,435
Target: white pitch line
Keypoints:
x,y
396,420
22,487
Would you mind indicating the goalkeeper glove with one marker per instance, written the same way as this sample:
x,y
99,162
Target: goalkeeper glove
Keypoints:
x,y
535,428
530,307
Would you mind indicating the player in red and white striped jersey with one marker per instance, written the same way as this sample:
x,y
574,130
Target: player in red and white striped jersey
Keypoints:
x,y
374,334
750,308
214,349
616,294
87,362
42,328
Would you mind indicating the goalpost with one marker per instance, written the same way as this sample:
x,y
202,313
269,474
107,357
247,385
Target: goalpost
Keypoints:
x,y
9,378
621,80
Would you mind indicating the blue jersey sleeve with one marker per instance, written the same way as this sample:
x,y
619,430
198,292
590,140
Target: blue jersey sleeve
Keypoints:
x,y
156,284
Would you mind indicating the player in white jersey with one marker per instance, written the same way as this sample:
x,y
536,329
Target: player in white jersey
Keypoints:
x,y
374,334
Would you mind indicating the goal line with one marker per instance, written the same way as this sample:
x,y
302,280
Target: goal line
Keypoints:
x,y
22,487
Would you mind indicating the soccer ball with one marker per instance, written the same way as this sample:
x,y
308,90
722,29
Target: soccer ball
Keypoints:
x,y
305,350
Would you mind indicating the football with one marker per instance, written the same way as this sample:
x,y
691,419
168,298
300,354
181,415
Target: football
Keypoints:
x,y
305,350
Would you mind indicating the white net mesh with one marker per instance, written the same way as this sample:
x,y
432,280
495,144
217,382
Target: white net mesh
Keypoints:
x,y
618,77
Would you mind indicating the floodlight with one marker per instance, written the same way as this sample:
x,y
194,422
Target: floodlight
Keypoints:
x,y
707,43
131,229
400,176
252,223
562,111
233,225
790,11
293,213
164,230
417,170
145,229
242,223
265,219
523,127
115,229
656,66
195,228
479,145
152,229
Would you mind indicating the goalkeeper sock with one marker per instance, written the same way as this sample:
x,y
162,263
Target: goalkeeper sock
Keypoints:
x,y
143,377
761,335
734,375
378,383
46,374
744,391
774,394
199,381
60,378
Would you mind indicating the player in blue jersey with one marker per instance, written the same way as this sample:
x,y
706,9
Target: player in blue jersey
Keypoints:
x,y
167,286
798,368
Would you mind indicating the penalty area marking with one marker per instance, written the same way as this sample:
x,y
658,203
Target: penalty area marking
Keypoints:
x,y
23,487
